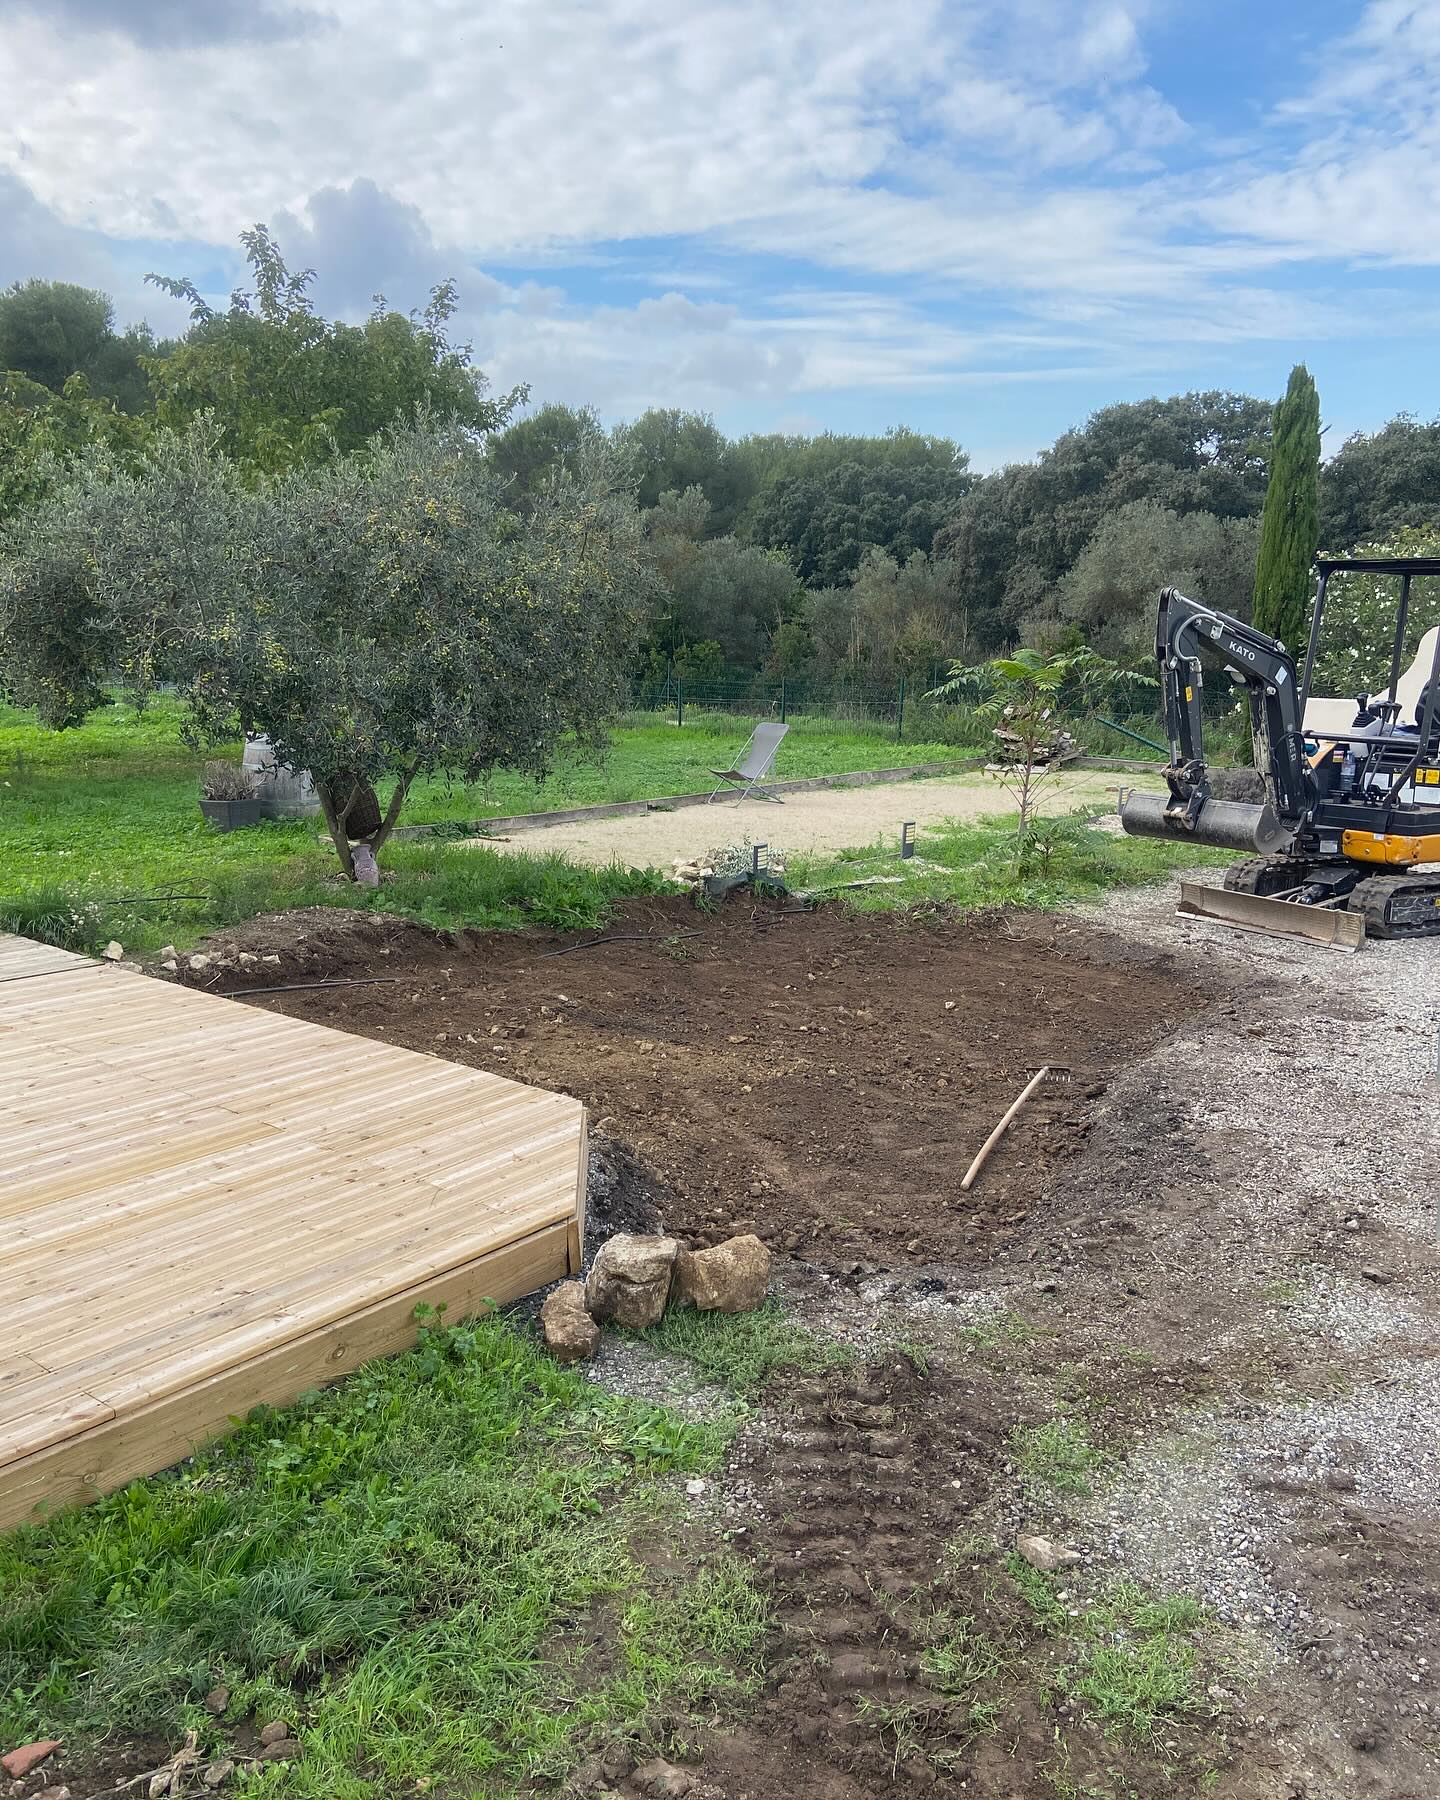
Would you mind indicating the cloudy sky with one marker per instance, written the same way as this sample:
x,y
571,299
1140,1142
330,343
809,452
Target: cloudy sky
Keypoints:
x,y
985,217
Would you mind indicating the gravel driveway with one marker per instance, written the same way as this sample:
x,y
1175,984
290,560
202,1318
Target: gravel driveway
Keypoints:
x,y
831,819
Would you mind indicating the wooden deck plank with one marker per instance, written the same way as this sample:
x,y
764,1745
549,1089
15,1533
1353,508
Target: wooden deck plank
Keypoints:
x,y
204,1191
158,1256
154,1436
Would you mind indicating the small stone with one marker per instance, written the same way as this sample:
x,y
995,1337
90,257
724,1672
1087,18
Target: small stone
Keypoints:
x,y
114,951
218,1773
630,1279
280,1750
1378,1276
695,1488
1044,1554
18,1763
270,959
664,1778
170,965
570,1334
247,956
168,950
274,1732
217,1699
200,962
732,1277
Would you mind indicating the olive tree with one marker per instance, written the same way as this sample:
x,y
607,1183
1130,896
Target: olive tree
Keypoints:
x,y
379,618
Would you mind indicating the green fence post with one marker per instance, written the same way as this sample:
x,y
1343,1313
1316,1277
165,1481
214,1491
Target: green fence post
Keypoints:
x,y
782,699
679,702
900,714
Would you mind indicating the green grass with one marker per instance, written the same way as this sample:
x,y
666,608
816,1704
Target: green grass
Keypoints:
x,y
1139,1670
999,1329
101,833
741,1351
1133,1661
977,867
398,1568
1054,1458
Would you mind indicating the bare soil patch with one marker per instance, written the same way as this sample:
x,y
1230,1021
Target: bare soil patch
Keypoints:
x,y
821,1080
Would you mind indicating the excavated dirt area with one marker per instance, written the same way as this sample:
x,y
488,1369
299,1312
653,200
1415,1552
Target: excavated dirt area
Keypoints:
x,y
817,1078
1185,1323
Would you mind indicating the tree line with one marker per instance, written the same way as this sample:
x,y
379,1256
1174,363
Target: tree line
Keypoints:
x,y
833,556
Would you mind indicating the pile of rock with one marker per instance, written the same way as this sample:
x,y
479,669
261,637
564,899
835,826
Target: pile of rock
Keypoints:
x,y
725,859
691,871
635,1277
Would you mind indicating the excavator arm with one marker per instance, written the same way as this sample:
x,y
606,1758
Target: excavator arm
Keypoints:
x,y
1187,633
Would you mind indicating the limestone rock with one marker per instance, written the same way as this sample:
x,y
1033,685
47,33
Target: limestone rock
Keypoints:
x,y
570,1334
1044,1554
218,1773
274,1732
630,1279
114,951
732,1277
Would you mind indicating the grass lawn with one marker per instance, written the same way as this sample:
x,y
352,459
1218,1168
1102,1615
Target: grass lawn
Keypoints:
x,y
101,837
434,1572
973,865
96,819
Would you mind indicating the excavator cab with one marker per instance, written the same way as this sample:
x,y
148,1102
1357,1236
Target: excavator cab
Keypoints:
x,y
1349,818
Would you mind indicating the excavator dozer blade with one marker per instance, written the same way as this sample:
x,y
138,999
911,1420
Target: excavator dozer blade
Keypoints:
x,y
1258,912
1223,824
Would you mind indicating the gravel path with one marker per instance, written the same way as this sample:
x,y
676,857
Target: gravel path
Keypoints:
x,y
831,819
1292,1189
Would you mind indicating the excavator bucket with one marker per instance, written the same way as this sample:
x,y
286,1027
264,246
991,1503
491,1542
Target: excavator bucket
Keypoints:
x,y
1285,918
1223,824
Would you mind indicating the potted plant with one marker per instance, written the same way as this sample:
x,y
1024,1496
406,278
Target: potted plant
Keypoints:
x,y
228,798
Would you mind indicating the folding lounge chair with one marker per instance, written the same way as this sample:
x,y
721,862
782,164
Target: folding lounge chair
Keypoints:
x,y
755,763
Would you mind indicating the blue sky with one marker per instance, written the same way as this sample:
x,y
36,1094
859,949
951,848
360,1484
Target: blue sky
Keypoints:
x,y
985,219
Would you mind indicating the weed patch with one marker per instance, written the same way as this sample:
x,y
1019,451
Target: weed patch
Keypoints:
x,y
741,1351
1054,1458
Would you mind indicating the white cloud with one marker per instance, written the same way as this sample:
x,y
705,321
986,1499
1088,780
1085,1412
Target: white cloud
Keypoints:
x,y
1010,166
1364,181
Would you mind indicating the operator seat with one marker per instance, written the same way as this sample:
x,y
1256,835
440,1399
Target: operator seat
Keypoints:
x,y
1410,689
1325,717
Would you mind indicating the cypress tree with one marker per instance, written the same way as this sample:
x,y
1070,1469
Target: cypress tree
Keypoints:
x,y
1290,526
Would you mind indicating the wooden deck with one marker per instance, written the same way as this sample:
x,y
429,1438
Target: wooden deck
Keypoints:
x,y
204,1206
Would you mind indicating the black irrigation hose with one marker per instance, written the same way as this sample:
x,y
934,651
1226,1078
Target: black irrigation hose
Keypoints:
x,y
296,987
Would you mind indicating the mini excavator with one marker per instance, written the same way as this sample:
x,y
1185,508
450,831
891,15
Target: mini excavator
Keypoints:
x,y
1347,835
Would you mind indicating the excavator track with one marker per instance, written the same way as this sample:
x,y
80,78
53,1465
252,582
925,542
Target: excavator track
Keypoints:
x,y
1265,875
1398,906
